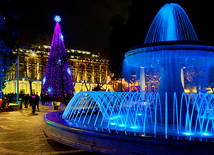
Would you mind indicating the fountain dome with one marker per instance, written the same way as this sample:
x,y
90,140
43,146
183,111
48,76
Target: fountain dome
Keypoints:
x,y
171,24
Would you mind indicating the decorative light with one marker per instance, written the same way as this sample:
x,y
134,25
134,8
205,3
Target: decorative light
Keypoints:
x,y
44,79
188,133
33,54
49,90
206,134
143,135
61,37
57,18
59,61
69,71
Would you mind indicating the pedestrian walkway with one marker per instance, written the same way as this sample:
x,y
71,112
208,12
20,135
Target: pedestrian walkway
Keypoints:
x,y
22,133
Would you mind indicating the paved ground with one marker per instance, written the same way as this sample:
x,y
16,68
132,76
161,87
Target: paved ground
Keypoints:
x,y
22,133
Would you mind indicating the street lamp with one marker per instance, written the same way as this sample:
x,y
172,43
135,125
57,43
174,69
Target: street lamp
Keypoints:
x,y
18,69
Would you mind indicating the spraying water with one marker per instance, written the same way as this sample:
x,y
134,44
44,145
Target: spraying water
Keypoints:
x,y
171,24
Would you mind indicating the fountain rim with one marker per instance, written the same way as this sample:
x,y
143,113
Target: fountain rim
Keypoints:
x,y
170,45
97,141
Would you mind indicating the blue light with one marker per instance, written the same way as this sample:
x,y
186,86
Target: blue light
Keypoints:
x,y
69,71
207,117
117,116
206,134
188,133
61,37
112,123
44,80
57,18
122,125
134,127
59,61
49,89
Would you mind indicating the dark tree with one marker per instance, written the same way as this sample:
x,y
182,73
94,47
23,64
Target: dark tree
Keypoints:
x,y
117,44
127,35
8,35
8,18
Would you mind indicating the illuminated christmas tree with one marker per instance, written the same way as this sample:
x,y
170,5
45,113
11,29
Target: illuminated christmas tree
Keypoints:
x,y
58,77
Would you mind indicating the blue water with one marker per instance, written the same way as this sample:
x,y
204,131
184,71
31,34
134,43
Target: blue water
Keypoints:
x,y
171,24
142,114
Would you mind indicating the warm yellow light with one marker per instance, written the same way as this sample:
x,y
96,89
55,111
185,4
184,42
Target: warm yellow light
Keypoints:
x,y
194,91
108,79
124,81
186,90
209,90
33,54
143,135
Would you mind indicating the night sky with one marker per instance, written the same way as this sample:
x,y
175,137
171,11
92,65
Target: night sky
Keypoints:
x,y
86,23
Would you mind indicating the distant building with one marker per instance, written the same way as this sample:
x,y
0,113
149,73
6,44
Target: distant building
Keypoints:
x,y
87,68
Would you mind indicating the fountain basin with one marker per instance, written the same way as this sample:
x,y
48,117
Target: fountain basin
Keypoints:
x,y
112,143
170,57
179,53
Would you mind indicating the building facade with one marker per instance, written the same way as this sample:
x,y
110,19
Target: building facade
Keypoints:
x,y
88,70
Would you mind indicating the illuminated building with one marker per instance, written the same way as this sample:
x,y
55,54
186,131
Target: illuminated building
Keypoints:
x,y
87,68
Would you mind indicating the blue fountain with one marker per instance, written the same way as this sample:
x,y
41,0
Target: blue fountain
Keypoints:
x,y
165,122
